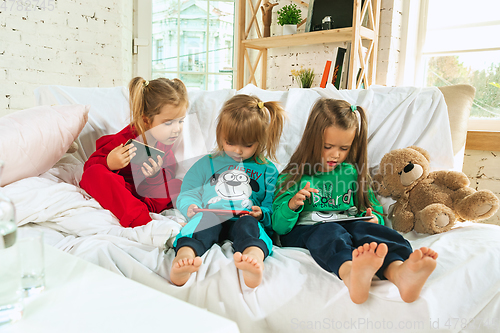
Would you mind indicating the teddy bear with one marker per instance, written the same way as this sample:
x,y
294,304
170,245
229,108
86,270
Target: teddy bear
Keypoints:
x,y
429,202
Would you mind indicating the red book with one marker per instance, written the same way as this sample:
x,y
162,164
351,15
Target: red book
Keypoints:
x,y
326,72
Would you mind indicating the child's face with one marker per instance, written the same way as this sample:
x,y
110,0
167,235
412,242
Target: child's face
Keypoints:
x,y
167,125
239,152
336,146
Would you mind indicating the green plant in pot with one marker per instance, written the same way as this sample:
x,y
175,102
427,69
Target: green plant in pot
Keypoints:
x,y
288,17
304,76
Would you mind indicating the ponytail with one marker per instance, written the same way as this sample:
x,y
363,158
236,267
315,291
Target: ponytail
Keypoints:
x,y
275,128
360,157
136,100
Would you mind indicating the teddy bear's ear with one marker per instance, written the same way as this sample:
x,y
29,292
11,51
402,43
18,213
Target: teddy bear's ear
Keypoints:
x,y
421,151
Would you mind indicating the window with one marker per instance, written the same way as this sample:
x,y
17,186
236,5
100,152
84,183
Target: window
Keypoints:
x,y
197,42
159,49
460,45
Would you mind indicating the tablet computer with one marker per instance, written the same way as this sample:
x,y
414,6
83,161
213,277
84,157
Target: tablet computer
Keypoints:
x,y
221,211
144,152
349,219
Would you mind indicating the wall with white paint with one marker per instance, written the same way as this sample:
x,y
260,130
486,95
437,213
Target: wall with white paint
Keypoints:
x,y
67,42
483,170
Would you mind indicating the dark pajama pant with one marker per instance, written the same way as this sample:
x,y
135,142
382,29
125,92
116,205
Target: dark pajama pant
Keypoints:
x,y
206,229
331,244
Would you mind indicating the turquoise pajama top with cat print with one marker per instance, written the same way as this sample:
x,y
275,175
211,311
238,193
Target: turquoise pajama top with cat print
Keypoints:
x,y
220,182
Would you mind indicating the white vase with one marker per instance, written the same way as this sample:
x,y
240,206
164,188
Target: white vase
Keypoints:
x,y
289,29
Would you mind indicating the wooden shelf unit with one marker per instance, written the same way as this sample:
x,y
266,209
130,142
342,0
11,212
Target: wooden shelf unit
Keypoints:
x,y
356,35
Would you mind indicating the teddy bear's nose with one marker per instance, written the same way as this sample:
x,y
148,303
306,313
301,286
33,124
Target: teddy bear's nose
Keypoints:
x,y
408,167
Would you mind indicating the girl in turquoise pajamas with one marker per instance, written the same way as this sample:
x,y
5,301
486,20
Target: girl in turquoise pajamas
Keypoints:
x,y
237,178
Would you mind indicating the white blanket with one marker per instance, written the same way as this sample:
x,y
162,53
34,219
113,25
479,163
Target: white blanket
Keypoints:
x,y
55,201
296,295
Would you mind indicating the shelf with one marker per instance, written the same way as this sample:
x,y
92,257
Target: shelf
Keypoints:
x,y
253,53
308,38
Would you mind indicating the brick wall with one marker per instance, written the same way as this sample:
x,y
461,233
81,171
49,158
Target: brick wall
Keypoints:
x,y
483,170
74,43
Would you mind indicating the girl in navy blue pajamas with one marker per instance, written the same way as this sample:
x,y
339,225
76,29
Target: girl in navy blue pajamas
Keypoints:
x,y
327,180
236,178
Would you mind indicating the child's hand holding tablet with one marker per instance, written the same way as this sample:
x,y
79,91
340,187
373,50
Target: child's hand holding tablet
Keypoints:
x,y
143,156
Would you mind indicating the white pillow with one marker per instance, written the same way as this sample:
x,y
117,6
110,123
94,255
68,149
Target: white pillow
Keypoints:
x,y
109,111
33,140
198,137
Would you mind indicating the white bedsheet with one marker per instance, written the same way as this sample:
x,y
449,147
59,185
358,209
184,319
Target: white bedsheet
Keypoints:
x,y
296,295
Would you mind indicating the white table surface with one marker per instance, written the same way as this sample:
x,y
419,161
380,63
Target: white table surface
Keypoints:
x,y
83,297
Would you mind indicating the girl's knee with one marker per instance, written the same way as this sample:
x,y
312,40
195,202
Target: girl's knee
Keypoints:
x,y
247,222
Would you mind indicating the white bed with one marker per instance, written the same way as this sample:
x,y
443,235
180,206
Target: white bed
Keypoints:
x,y
296,295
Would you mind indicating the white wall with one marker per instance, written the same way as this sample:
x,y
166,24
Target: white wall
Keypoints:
x,y
483,169
77,43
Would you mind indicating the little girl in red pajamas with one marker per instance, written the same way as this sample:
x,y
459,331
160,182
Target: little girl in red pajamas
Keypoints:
x,y
132,191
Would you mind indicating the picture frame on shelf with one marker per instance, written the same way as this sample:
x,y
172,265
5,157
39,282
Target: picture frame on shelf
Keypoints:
x,y
341,12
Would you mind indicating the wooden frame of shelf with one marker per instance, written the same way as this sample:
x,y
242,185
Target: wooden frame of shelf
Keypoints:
x,y
246,70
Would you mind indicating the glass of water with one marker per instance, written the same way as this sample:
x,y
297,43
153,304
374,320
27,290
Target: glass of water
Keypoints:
x,y
11,306
32,261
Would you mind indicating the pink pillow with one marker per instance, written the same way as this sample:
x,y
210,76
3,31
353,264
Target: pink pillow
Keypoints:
x,y
33,140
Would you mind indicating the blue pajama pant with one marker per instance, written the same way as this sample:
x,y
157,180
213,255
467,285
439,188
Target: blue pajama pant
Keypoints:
x,y
206,229
331,244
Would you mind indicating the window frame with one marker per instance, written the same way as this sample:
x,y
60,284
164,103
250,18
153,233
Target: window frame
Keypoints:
x,y
482,134
143,31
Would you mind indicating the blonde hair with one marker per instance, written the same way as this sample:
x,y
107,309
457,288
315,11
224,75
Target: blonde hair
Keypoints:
x,y
246,119
148,97
325,113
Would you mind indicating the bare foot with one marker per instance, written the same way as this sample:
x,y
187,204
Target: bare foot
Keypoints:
x,y
410,276
185,263
252,266
366,261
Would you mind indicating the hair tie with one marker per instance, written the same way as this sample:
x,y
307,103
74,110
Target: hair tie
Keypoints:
x,y
260,105
146,83
354,108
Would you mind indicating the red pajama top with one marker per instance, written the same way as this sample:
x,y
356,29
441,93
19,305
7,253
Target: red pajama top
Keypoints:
x,y
107,143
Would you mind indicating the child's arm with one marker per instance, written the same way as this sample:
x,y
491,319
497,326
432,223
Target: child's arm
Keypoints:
x,y
266,206
191,191
120,157
284,217
167,174
376,209
104,146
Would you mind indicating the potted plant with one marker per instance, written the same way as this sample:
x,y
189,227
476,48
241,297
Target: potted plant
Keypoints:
x,y
288,17
304,77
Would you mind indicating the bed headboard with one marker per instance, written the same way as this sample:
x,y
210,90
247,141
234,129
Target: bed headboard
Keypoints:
x,y
399,117
459,100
